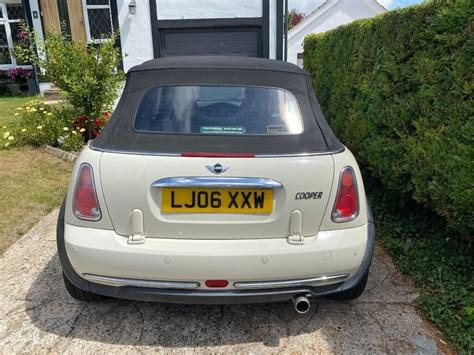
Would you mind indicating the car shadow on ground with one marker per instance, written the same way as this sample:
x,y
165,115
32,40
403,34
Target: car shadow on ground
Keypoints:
x,y
124,322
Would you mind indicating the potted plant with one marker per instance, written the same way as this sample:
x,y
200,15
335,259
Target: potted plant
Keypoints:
x,y
24,77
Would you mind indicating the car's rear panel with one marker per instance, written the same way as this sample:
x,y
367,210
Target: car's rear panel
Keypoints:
x,y
201,246
104,253
306,182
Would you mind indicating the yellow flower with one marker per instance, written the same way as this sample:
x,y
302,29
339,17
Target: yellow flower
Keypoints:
x,y
7,144
49,113
33,110
16,113
23,130
5,135
41,108
82,130
4,127
73,132
65,129
19,109
39,127
11,138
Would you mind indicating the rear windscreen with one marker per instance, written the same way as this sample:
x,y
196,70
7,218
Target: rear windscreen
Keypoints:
x,y
219,109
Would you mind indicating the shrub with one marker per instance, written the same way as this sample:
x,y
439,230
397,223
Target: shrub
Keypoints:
x,y
42,124
397,90
87,74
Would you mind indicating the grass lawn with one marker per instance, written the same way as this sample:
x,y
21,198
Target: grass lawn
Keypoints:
x,y
8,106
33,183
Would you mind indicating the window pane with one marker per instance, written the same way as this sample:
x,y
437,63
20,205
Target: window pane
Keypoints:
x,y
4,51
210,109
97,2
99,23
19,38
5,56
3,36
15,12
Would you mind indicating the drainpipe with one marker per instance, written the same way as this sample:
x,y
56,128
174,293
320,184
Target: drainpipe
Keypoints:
x,y
286,30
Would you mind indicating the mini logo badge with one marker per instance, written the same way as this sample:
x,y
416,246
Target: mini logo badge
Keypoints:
x,y
217,168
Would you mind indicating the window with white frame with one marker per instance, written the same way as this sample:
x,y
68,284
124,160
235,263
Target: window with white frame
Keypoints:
x,y
11,16
98,19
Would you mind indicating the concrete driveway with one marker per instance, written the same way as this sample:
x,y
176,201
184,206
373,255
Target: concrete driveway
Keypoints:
x,y
36,314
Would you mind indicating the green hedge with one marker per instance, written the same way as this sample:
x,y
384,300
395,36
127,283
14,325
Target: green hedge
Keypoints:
x,y
397,90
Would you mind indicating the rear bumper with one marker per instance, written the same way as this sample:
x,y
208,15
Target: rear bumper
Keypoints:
x,y
86,252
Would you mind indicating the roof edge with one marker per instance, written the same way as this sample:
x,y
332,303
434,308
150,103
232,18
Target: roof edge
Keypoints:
x,y
312,15
323,8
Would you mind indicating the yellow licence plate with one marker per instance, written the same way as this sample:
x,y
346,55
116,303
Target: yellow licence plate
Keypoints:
x,y
192,200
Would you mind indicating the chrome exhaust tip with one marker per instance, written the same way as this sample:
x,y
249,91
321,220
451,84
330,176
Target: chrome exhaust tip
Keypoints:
x,y
302,304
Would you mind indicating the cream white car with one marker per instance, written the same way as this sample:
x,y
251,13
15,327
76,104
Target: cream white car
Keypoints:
x,y
217,180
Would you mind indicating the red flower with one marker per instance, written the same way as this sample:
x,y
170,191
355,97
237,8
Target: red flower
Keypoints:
x,y
22,35
80,121
19,73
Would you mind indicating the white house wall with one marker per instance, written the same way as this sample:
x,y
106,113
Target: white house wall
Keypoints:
x,y
345,11
135,33
207,9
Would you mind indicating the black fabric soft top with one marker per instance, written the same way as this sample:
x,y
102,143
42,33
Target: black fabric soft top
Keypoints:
x,y
119,135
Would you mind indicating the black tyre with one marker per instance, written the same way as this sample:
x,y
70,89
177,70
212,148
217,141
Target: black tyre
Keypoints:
x,y
352,293
79,294
75,292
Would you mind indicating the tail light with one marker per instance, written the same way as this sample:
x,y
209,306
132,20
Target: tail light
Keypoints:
x,y
85,202
346,208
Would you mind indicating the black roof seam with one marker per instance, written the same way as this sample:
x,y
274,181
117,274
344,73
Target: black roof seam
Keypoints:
x,y
132,70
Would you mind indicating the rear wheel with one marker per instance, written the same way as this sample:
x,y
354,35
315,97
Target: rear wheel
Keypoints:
x,y
79,294
351,293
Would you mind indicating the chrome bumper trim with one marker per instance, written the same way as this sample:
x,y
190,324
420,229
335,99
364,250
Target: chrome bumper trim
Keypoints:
x,y
120,281
189,285
315,281
224,182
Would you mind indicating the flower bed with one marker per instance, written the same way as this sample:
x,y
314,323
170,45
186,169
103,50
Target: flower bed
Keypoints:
x,y
55,125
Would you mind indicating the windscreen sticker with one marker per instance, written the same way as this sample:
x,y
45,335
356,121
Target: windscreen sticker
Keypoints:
x,y
276,129
222,130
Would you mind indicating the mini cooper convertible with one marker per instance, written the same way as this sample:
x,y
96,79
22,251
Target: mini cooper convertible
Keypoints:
x,y
217,180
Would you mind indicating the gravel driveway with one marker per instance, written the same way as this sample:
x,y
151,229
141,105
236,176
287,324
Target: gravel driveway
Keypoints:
x,y
36,314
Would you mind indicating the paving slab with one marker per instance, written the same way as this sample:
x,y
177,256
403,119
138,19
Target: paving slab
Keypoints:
x,y
37,315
